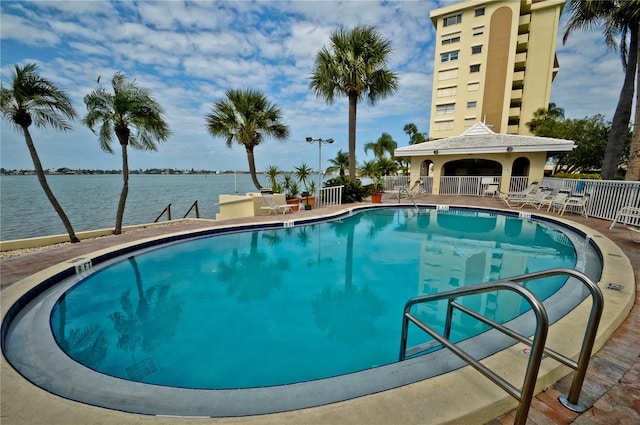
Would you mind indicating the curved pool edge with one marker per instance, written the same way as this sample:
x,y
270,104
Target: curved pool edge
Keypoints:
x,y
449,395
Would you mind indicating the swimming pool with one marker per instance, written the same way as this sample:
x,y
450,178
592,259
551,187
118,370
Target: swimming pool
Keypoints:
x,y
419,251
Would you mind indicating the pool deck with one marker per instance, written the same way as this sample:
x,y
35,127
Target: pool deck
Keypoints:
x,y
611,389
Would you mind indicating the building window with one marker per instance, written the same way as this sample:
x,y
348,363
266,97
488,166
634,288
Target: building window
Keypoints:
x,y
450,39
443,125
469,121
474,68
446,91
480,11
449,56
452,20
472,105
446,108
478,30
473,87
476,49
448,74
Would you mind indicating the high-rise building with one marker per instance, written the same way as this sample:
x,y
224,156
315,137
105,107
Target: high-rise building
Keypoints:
x,y
494,63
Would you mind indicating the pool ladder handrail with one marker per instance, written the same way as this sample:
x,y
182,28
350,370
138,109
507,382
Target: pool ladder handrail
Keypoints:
x,y
538,348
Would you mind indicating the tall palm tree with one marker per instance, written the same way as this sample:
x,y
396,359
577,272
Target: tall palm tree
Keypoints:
x,y
415,137
32,99
553,112
354,67
617,19
127,107
246,116
340,163
385,144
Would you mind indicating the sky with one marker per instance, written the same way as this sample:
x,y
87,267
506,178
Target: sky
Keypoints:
x,y
189,53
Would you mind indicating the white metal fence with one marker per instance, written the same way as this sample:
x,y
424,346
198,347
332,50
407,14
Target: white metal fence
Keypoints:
x,y
606,196
329,196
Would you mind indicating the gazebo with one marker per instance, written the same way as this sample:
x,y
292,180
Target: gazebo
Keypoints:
x,y
487,156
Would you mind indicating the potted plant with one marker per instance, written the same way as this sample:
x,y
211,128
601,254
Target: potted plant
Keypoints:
x,y
303,173
371,170
290,188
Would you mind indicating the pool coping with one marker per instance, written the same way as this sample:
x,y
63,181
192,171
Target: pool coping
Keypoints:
x,y
459,391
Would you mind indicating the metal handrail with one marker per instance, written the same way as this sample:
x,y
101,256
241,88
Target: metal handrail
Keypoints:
x,y
167,210
537,346
195,204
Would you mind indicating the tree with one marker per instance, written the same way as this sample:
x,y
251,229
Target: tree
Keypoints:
x,y
354,67
127,107
553,112
618,19
385,144
246,116
415,137
340,163
590,135
33,99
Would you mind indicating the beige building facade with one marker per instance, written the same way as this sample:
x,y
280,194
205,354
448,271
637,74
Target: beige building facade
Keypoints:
x,y
494,63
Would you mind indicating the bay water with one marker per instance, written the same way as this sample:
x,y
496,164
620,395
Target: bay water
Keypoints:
x,y
91,201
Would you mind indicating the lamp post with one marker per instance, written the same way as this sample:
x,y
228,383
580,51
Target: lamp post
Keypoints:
x,y
320,142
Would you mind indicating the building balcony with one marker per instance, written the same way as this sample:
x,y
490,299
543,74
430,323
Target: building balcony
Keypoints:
x,y
523,23
518,78
512,129
514,113
516,95
523,43
520,61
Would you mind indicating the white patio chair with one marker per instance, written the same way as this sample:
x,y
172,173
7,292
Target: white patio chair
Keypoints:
x,y
626,214
557,202
515,196
576,203
491,189
270,204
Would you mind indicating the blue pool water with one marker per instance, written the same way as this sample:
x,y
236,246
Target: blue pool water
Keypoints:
x,y
275,307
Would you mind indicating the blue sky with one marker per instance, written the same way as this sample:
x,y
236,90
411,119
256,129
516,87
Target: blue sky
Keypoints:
x,y
189,53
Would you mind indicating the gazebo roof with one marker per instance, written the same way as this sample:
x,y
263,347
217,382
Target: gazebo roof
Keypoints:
x,y
481,139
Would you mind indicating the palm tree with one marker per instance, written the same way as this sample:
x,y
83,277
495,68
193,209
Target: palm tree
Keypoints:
x,y
354,67
415,137
617,18
127,107
340,163
385,144
246,116
553,112
32,99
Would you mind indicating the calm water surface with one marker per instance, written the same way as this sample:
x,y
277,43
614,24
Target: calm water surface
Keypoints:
x,y
90,201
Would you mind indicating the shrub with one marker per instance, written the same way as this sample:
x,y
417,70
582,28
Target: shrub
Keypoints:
x,y
562,175
352,191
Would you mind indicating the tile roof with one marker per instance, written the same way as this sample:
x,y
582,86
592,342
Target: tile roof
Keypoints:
x,y
481,139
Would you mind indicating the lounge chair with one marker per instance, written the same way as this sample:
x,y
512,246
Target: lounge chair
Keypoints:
x,y
576,203
626,214
534,199
270,204
515,196
635,231
557,203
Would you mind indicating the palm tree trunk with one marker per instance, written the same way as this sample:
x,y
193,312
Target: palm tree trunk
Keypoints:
x,y
620,124
633,165
125,190
252,167
353,105
45,186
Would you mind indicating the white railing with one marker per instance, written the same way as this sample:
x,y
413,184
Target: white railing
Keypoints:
x,y
390,182
329,196
607,196
468,185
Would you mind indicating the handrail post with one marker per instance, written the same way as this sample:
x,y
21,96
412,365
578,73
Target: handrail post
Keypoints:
x,y
166,209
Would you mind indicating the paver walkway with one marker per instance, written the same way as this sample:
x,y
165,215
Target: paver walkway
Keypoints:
x,y
612,385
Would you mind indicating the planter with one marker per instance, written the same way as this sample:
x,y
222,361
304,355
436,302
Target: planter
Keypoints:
x,y
294,204
376,198
312,202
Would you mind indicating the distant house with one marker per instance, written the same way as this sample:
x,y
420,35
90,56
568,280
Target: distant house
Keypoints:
x,y
480,152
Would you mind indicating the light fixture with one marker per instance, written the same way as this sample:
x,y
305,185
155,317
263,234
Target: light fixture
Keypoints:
x,y
320,142
509,148
435,152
